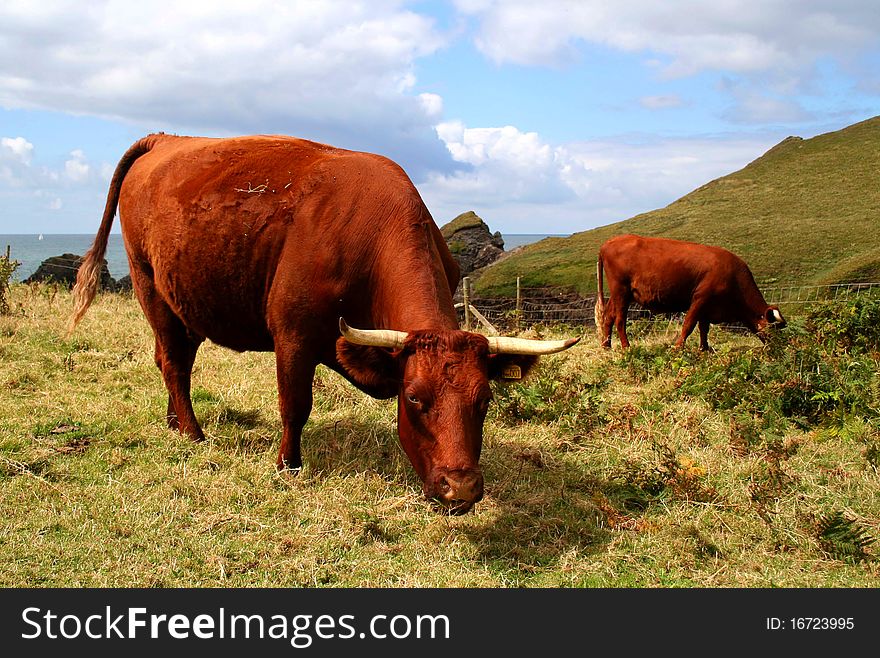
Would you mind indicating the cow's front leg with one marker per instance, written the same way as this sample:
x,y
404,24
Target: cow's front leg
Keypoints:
x,y
704,336
296,373
687,328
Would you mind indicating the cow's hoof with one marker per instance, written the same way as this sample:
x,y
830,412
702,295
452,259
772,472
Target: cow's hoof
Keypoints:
x,y
289,471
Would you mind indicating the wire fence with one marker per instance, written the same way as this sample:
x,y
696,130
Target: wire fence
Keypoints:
x,y
793,296
548,306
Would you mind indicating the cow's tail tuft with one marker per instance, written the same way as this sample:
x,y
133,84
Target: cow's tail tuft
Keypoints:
x,y
599,307
89,273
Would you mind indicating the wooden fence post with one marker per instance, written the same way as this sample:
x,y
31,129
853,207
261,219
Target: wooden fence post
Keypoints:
x,y
466,295
518,304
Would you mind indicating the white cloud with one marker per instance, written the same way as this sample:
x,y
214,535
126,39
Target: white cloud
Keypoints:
x,y
507,146
506,165
522,184
432,104
692,34
76,168
17,147
38,197
772,46
15,160
334,71
16,169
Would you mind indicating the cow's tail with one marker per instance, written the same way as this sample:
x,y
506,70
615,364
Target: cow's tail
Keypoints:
x,y
88,276
599,308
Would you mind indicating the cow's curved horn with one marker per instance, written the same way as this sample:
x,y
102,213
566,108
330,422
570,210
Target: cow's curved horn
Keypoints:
x,y
373,337
508,345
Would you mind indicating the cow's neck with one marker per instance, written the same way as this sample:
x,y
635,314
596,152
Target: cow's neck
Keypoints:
x,y
752,297
410,288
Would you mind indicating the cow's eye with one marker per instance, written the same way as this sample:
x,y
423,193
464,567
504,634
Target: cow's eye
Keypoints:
x,y
416,396
419,402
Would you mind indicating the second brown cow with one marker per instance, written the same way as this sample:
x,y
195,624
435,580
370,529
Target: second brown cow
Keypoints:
x,y
708,284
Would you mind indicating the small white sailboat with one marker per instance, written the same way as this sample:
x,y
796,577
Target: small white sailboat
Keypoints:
x,y
40,237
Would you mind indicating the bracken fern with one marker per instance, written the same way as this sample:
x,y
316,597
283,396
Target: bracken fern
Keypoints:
x,y
843,538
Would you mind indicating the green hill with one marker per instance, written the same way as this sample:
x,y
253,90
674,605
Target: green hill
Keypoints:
x,y
806,212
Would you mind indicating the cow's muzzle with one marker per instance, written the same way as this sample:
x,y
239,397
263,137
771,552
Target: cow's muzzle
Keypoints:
x,y
456,490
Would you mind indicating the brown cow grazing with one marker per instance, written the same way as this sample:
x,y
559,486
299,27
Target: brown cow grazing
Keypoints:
x,y
264,243
708,284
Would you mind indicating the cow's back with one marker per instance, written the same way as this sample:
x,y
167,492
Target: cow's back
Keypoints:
x,y
216,223
662,274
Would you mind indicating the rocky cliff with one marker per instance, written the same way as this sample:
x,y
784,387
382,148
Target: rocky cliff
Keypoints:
x,y
471,242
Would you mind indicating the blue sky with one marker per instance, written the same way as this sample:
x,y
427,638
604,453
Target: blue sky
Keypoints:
x,y
550,117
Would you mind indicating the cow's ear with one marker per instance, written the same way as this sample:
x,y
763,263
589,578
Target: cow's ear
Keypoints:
x,y
510,367
374,370
774,316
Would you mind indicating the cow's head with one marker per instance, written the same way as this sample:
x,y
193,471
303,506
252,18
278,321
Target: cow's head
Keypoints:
x,y
772,318
441,379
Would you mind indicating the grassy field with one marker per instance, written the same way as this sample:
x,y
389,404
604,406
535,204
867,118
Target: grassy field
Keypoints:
x,y
805,212
755,466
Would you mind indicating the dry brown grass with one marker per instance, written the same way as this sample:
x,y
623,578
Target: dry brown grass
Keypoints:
x,y
651,488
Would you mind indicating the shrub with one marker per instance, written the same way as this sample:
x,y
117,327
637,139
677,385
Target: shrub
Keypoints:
x,y
853,325
805,382
7,269
456,247
643,362
681,477
551,393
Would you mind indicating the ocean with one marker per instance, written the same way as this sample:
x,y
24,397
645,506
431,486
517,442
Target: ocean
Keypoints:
x,y
31,250
514,240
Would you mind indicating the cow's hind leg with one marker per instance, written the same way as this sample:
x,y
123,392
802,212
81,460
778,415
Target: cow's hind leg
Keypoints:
x,y
296,373
175,354
619,310
178,361
622,312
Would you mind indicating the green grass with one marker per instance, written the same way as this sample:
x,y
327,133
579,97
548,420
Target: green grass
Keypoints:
x,y
755,466
806,212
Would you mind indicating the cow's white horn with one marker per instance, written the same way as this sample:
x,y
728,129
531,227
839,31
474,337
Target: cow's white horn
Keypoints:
x,y
373,337
508,345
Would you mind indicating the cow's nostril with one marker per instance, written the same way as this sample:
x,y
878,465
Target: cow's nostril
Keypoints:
x,y
459,489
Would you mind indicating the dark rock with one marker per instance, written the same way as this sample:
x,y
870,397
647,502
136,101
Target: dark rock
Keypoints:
x,y
62,269
124,284
471,242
